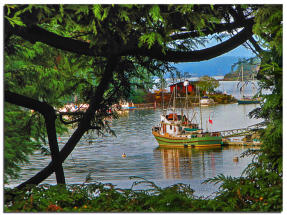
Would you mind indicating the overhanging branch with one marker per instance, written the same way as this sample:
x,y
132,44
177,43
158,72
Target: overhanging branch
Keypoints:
x,y
37,34
217,28
194,56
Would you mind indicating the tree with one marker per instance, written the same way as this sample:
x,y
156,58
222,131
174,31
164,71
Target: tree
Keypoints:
x,y
207,84
115,40
261,189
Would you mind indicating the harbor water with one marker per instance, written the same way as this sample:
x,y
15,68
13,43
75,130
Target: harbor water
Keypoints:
x,y
100,157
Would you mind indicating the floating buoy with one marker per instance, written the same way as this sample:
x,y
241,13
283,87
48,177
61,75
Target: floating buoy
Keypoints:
x,y
124,155
235,159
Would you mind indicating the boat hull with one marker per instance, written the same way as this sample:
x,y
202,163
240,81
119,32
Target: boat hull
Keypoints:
x,y
206,141
248,101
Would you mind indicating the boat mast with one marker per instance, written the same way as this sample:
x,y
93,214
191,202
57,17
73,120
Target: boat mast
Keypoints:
x,y
174,101
186,83
162,98
254,89
199,108
242,81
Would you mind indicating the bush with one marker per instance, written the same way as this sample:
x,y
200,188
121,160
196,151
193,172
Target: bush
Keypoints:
x,y
100,197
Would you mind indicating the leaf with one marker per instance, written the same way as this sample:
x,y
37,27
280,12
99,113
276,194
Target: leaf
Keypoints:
x,y
97,11
106,12
155,13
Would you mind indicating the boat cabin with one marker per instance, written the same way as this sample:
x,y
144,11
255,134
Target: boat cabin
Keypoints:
x,y
174,124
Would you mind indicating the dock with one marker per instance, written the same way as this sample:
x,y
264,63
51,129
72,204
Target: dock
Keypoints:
x,y
243,131
250,133
240,143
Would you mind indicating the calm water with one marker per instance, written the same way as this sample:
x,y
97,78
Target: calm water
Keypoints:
x,y
101,157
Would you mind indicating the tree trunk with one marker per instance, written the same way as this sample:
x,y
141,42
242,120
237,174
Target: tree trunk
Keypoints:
x,y
54,148
82,128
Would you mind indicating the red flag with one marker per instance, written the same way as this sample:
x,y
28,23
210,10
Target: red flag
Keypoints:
x,y
210,120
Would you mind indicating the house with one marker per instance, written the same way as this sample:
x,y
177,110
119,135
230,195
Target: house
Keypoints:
x,y
180,88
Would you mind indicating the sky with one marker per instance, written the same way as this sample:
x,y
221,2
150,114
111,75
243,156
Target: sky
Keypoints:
x,y
218,66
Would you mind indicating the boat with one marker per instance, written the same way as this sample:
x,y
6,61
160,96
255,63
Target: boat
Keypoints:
x,y
247,99
177,130
123,105
205,101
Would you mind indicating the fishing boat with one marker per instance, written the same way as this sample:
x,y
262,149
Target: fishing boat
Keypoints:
x,y
247,99
177,130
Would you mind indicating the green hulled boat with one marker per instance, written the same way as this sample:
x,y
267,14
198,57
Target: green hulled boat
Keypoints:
x,y
246,100
176,130
183,133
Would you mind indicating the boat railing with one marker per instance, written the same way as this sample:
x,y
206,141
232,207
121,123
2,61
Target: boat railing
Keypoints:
x,y
156,129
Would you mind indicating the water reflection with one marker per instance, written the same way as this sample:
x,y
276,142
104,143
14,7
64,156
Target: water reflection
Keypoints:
x,y
173,160
178,163
201,163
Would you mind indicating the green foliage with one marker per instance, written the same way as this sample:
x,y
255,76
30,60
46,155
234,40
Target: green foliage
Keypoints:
x,y
235,195
103,198
208,84
271,35
99,198
18,127
42,75
261,188
137,96
46,74
222,98
24,132
150,39
251,193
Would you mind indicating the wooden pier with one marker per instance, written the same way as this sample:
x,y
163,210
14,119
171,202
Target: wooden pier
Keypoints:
x,y
247,132
242,131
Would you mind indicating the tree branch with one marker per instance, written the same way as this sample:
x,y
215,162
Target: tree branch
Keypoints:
x,y
49,114
84,125
37,34
255,45
217,28
68,122
193,56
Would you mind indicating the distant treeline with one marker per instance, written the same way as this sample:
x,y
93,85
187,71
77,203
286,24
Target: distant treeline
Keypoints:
x,y
250,69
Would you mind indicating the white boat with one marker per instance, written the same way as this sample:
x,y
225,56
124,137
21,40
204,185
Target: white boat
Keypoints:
x,y
205,101
126,105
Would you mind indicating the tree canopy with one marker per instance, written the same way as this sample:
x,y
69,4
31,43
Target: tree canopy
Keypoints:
x,y
99,51
206,83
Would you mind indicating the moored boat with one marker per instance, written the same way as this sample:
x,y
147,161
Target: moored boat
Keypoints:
x,y
183,133
177,130
205,101
248,100
126,105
